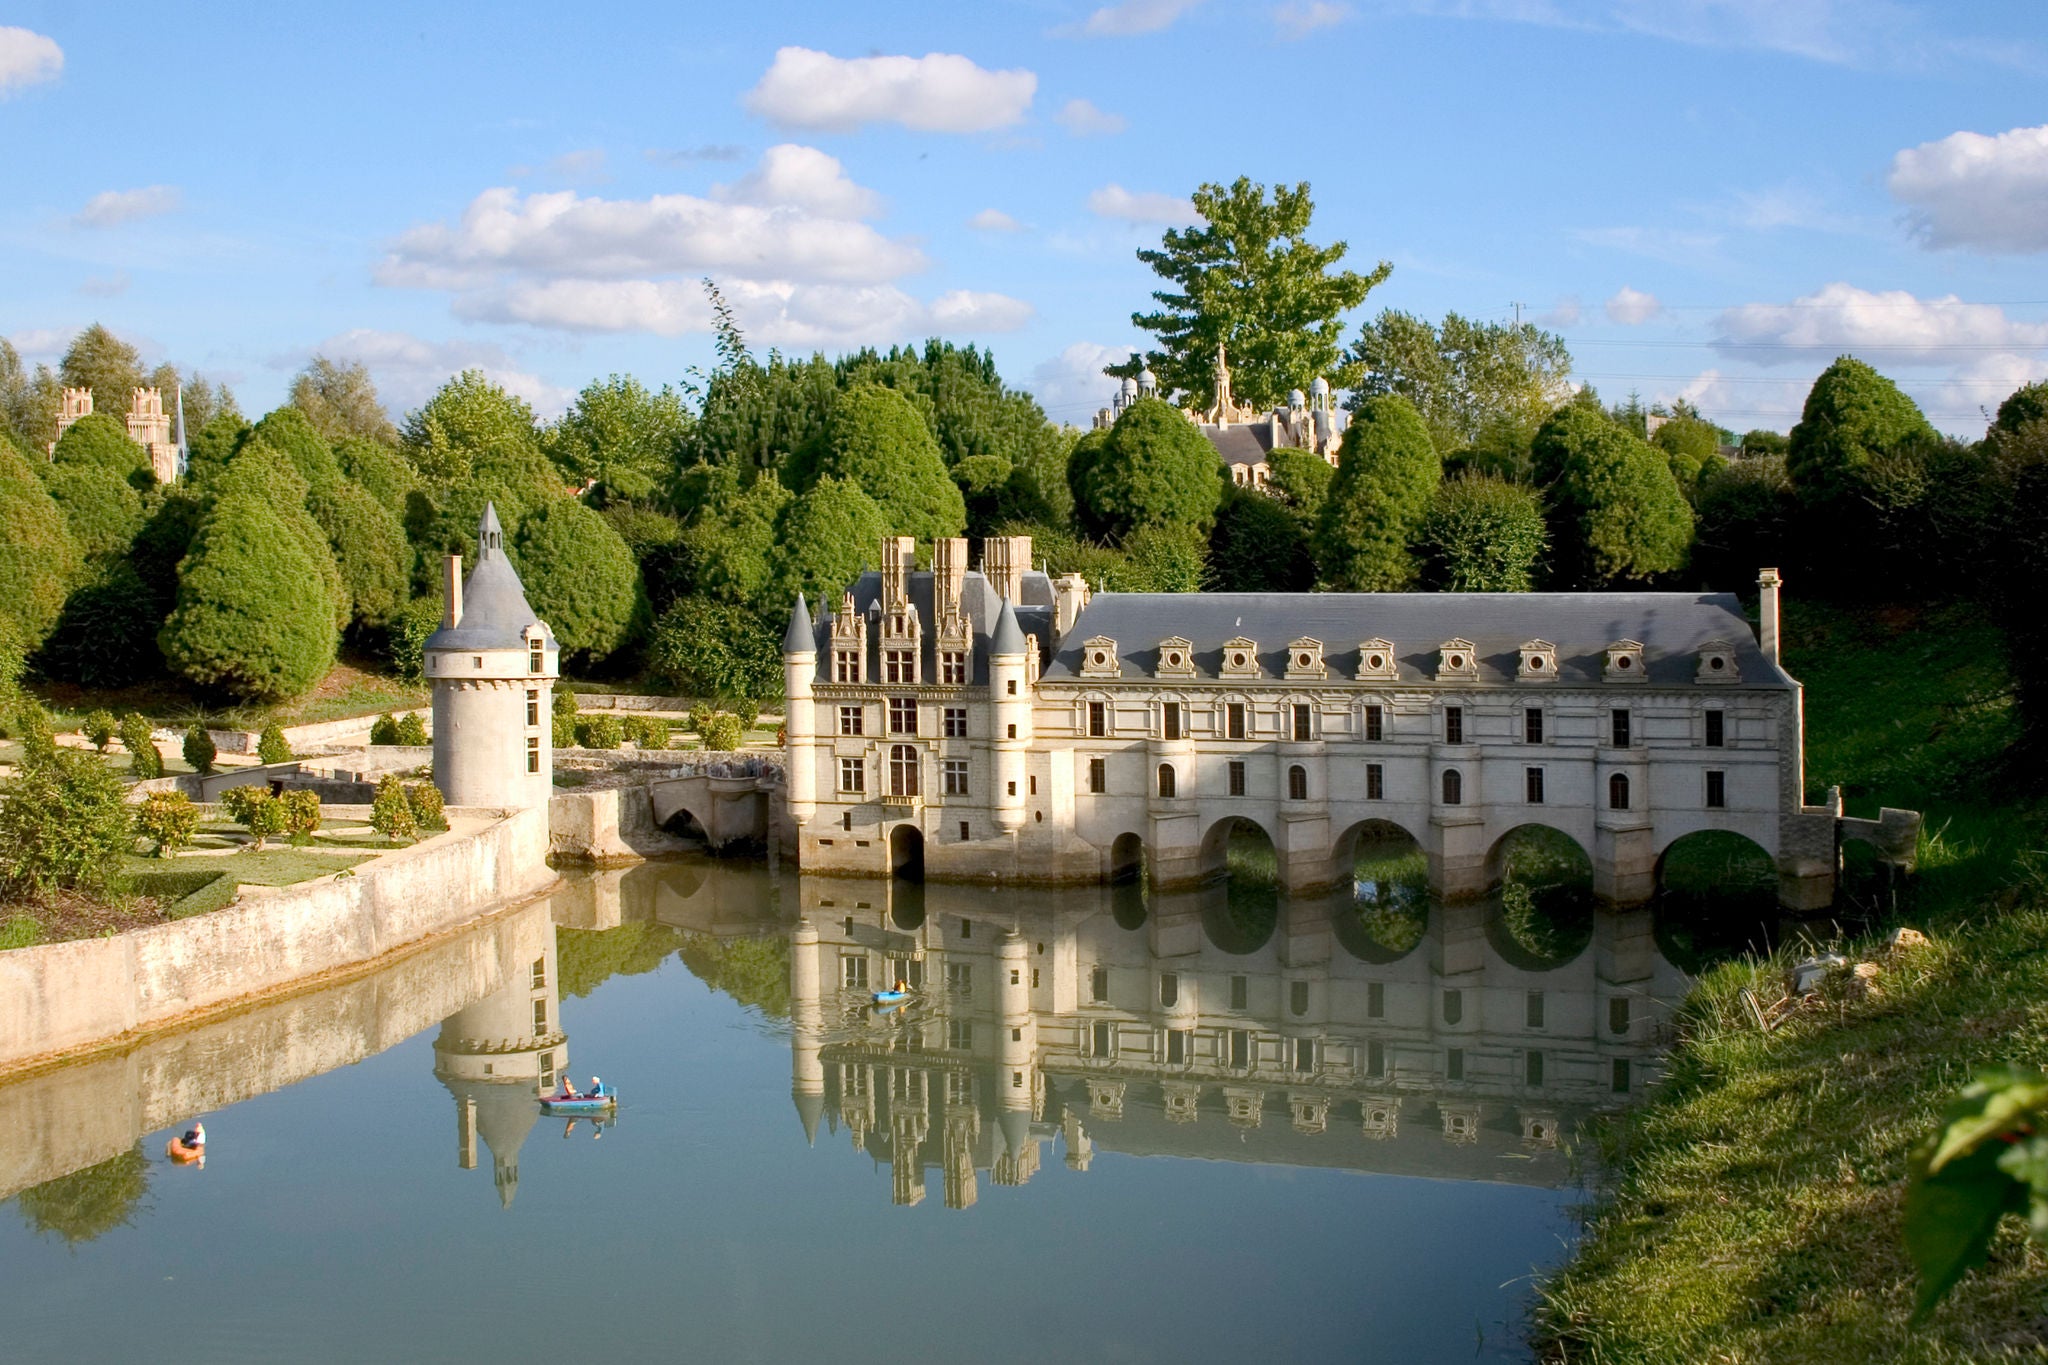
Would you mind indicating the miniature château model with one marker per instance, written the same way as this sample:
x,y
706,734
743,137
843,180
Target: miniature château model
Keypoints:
x,y
493,665
1244,437
996,725
149,426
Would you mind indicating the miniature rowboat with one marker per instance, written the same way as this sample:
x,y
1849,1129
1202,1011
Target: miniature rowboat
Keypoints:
x,y
890,997
581,1104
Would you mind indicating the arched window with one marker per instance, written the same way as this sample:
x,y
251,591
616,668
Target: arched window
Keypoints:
x,y
1454,787
902,770
1166,779
1297,783
1617,792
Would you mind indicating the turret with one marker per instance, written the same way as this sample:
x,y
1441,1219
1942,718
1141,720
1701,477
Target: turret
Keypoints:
x,y
800,721
1017,1055
1010,697
807,1068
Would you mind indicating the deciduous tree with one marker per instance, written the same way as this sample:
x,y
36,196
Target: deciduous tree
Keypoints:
x,y
1616,512
1387,472
340,400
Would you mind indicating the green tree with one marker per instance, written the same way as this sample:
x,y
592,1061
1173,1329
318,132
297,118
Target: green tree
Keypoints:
x,y
471,427
87,1204
289,432
199,748
406,641
1852,415
1387,472
619,438
1688,445
164,541
99,729
822,542
384,730
411,731
1762,442
101,509
2018,537
100,361
102,442
730,534
261,471
340,400
256,810
168,820
581,578
139,739
213,443
272,746
1249,279
38,558
1745,518
1300,479
1616,513
106,636
301,810
370,551
63,824
428,810
1160,559
708,648
1152,469
254,617
1482,534
390,813
656,540
878,441
378,469
1478,385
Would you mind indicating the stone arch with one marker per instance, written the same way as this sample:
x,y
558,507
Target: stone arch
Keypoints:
x,y
1542,914
1504,846
1241,911
1705,863
906,852
684,823
1127,858
1216,844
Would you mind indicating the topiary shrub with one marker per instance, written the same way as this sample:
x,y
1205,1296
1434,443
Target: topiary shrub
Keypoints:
x,y
722,731
301,811
747,710
272,746
199,748
651,732
412,730
600,732
699,715
138,738
384,730
255,617
390,812
167,819
256,810
564,731
580,577
100,728
427,809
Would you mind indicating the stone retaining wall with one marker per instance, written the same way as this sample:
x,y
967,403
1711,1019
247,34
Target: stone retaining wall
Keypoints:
x,y
66,997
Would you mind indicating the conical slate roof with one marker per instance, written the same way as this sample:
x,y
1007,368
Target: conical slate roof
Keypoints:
x,y
495,614
802,636
1008,636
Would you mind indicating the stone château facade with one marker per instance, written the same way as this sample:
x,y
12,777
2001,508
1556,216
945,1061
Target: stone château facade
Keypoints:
x,y
996,725
1244,437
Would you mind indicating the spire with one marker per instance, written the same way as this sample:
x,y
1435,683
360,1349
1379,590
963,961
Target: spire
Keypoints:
x,y
810,1108
1008,636
490,536
801,637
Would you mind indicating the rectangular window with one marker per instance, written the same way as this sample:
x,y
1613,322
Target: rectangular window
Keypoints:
x,y
1532,1069
1375,1000
964,835
899,665
1098,986
1454,725
1304,1054
1617,1014
1098,775
532,706
1240,1048
1098,719
1717,789
1532,725
1170,720
540,1017
1375,723
1454,1064
960,978
956,722
1032,784
902,715
533,754
1375,1058
1176,1047
1621,1076
1169,989
1102,1040
1233,718
853,971
846,666
1620,734
1304,728
853,777
1239,986
953,668
960,1035
1011,686
1717,729
851,720
846,817
1375,782
1533,1011
953,776
1533,783
534,661
1237,777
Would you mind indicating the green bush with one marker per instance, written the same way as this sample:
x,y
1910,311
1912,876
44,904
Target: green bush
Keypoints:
x,y
255,809
882,445
390,812
100,440
580,578
412,730
39,560
138,738
63,824
301,811
167,819
427,809
722,731
106,636
564,731
600,732
406,638
1481,535
102,510
272,746
384,730
746,709
99,728
1153,468
199,748
255,617
1387,472
708,648
370,550
650,732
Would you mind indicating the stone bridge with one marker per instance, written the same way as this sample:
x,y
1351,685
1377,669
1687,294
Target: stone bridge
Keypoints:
x,y
734,805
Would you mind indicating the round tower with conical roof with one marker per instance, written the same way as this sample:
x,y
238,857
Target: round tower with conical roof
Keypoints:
x,y
493,665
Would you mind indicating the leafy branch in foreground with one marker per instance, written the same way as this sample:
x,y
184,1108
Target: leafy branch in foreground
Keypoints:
x,y
1989,1158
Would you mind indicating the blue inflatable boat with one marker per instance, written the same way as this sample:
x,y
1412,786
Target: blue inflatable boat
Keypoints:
x,y
891,997
582,1104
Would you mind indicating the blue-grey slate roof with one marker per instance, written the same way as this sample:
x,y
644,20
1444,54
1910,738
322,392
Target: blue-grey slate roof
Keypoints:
x,y
979,602
1672,626
495,613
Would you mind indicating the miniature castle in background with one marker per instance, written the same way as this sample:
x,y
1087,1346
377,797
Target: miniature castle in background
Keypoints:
x,y
149,426
1242,435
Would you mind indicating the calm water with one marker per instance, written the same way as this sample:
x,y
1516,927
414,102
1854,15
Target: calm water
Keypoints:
x,y
1194,1129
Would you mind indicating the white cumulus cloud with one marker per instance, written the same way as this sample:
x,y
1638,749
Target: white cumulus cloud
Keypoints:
x,y
1299,18
1071,385
408,369
937,93
1971,190
1083,119
110,208
1142,206
1132,17
1891,326
1632,307
801,177
27,58
994,220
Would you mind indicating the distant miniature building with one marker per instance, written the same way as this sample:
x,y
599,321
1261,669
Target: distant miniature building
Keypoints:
x,y
149,426
1243,436
493,665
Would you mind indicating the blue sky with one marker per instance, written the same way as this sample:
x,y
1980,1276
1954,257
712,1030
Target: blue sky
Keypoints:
x,y
1708,198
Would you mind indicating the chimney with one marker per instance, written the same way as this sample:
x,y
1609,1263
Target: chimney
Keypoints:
x,y
452,617
1767,583
899,558
1004,561
1070,597
949,572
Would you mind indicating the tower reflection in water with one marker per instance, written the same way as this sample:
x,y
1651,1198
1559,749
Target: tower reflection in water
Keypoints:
x,y
1196,1026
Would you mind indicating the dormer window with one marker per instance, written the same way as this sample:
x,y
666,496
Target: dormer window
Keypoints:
x,y
1176,658
1539,662
1305,658
1240,658
1376,659
1717,663
1625,662
1099,659
1457,660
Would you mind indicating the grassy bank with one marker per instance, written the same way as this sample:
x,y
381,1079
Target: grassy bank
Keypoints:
x,y
1755,1202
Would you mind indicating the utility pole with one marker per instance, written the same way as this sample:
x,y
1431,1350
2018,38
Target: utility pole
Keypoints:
x,y
1518,312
